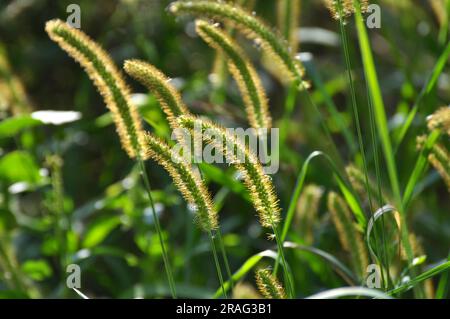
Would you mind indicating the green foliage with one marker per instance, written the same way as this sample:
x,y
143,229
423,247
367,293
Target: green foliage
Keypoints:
x,y
371,131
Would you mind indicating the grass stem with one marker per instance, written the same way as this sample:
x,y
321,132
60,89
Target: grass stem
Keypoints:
x,y
158,228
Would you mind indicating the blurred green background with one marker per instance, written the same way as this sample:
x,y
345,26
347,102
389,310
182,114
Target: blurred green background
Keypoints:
x,y
104,223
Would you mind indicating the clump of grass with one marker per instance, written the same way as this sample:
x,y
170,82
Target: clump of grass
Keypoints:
x,y
307,210
349,236
243,71
159,85
440,120
106,77
272,44
268,285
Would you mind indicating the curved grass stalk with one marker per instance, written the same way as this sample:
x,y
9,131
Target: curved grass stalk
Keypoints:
x,y
109,82
159,85
429,86
252,261
244,73
351,240
106,77
350,292
268,285
273,45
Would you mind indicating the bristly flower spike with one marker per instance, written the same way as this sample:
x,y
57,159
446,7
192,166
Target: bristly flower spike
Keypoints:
x,y
186,180
259,185
106,77
159,85
349,236
272,44
268,285
243,72
440,120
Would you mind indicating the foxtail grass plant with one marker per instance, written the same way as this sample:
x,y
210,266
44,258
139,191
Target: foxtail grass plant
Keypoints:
x,y
111,85
260,186
268,285
173,106
191,187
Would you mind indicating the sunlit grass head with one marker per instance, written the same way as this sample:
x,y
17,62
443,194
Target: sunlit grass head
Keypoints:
x,y
159,85
186,180
243,72
273,44
341,9
106,77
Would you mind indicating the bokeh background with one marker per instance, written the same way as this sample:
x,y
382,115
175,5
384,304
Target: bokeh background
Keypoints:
x,y
104,223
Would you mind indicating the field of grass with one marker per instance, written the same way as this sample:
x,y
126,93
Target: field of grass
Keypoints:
x,y
96,202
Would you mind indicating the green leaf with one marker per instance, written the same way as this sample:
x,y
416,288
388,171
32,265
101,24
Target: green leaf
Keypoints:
x,y
422,277
13,125
99,230
38,269
19,166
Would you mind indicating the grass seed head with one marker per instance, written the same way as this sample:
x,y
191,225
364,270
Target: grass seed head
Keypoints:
x,y
243,71
268,285
159,85
106,77
260,186
273,44
440,120
186,180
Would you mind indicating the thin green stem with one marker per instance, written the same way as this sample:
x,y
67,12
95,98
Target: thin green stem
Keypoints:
x,y
216,261
358,128
221,245
225,257
158,228
289,106
287,273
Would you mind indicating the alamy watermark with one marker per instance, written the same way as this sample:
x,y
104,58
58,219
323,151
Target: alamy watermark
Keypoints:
x,y
210,146
74,19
